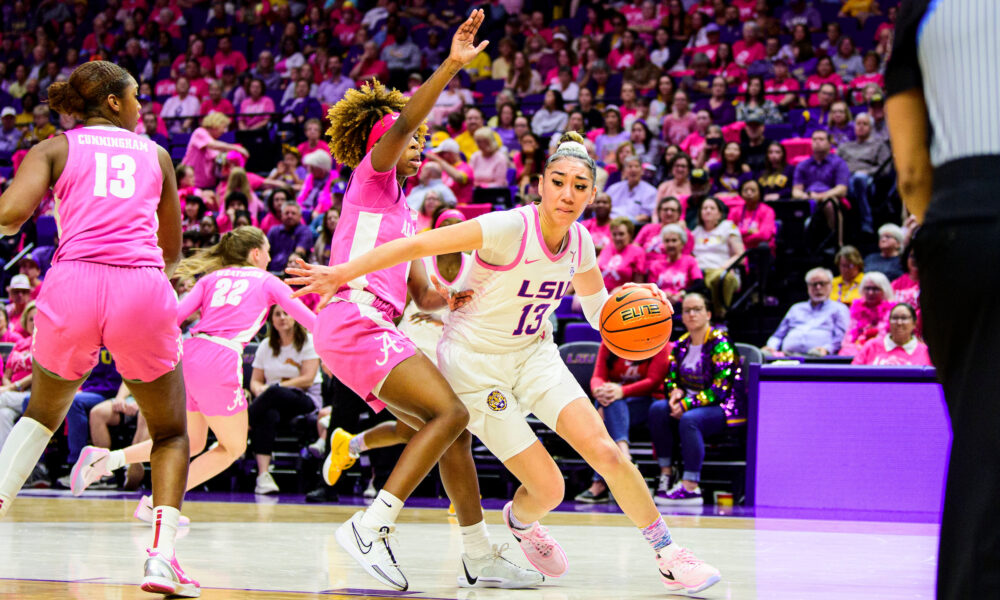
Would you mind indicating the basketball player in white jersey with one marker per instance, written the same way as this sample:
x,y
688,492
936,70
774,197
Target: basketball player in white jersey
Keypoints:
x,y
498,355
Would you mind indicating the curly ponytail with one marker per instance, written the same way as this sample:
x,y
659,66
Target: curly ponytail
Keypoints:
x,y
353,117
85,94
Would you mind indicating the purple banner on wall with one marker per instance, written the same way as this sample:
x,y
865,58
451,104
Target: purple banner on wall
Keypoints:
x,y
851,445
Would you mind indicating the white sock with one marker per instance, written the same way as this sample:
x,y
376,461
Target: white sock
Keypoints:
x,y
476,540
383,511
357,445
24,446
165,519
116,460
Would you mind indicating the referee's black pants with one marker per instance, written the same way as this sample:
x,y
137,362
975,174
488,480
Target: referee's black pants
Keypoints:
x,y
958,256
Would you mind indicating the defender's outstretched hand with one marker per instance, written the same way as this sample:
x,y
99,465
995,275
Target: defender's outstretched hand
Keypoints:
x,y
315,279
463,45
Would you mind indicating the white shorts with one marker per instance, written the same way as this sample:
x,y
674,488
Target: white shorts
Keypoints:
x,y
501,390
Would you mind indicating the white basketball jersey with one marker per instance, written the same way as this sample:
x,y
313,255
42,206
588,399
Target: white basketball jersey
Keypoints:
x,y
511,304
426,335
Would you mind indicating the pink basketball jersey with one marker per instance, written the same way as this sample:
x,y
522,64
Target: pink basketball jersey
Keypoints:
x,y
234,302
106,199
374,212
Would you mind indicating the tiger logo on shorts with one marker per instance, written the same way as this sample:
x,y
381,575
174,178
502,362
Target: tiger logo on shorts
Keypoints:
x,y
496,401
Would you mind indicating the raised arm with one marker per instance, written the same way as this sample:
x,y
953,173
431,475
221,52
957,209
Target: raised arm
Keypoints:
x,y
390,147
281,294
325,281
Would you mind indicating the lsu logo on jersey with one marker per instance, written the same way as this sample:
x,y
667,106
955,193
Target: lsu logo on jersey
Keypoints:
x,y
496,401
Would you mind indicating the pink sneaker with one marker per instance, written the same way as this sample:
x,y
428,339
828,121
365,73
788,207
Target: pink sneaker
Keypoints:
x,y
166,577
543,552
144,512
680,570
91,466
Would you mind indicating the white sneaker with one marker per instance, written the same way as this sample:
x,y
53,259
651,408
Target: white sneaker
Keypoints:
x,y
493,570
266,485
144,512
371,549
318,448
90,467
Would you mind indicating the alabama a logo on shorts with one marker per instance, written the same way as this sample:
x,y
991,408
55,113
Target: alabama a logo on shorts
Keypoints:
x,y
387,344
496,401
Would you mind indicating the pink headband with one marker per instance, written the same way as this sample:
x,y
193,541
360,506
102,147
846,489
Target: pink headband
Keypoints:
x,y
451,213
383,125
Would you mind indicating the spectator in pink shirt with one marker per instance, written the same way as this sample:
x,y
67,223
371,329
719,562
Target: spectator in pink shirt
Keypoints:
x,y
869,315
680,122
749,49
781,90
204,146
599,225
225,57
668,212
674,270
825,73
900,346
215,102
871,75
680,184
621,261
7,333
256,104
489,164
754,219
455,172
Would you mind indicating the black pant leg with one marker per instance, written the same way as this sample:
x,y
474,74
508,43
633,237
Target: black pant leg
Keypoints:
x,y
959,264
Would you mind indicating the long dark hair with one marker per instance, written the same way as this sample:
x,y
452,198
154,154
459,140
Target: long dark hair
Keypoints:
x,y
299,334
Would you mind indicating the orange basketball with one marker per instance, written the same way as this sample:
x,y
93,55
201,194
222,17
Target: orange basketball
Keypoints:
x,y
635,324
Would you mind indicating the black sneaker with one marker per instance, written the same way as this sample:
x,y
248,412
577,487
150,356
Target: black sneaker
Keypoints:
x,y
588,497
321,495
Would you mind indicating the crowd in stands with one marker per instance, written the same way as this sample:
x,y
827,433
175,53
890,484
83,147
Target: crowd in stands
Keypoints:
x,y
705,117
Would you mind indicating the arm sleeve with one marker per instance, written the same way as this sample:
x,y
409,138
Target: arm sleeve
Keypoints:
x,y
600,376
191,302
281,295
503,233
902,72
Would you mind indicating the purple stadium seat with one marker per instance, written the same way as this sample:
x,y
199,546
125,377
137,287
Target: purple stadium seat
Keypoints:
x,y
581,332
565,311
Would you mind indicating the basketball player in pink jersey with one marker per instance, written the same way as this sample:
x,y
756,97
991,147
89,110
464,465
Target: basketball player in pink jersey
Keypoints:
x,y
120,237
498,355
424,329
234,297
379,134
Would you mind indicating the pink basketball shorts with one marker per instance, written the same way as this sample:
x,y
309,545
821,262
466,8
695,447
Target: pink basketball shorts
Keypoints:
x,y
130,310
360,345
213,378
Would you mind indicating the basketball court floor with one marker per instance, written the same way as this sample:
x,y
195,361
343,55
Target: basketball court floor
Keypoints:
x,y
55,546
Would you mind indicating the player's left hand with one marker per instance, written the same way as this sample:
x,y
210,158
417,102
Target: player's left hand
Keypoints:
x,y
456,300
315,279
655,289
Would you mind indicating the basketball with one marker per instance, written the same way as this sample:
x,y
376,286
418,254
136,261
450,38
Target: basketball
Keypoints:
x,y
635,324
